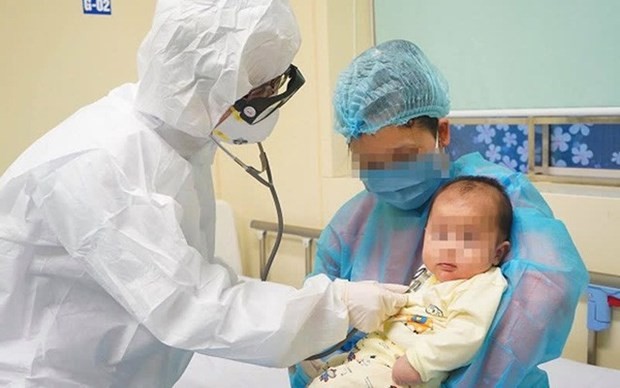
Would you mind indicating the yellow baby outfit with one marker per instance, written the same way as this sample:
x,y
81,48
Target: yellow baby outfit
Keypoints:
x,y
440,329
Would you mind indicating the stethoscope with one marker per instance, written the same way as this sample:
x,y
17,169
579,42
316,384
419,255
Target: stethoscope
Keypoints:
x,y
266,182
419,277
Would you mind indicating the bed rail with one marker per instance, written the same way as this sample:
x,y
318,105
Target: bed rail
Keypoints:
x,y
307,236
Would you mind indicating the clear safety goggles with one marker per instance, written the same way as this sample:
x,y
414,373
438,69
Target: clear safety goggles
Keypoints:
x,y
262,101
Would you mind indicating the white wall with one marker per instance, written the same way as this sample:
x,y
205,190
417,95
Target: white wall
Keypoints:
x,y
56,59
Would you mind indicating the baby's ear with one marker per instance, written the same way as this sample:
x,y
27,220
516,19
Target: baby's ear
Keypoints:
x,y
501,251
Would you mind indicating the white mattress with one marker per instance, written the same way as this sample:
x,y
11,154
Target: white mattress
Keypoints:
x,y
209,372
565,373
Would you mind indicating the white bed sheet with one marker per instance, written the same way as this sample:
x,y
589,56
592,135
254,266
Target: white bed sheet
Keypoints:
x,y
210,372
565,373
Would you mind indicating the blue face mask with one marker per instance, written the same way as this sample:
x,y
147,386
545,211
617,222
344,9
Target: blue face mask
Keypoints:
x,y
408,185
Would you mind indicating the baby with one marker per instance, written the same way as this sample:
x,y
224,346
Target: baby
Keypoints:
x,y
447,317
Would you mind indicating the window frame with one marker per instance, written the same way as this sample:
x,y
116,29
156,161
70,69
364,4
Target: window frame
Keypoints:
x,y
545,118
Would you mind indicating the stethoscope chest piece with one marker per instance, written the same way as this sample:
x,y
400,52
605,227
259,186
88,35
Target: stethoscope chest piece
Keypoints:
x,y
419,278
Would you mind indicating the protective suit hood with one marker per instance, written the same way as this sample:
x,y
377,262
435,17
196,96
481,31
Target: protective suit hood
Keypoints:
x,y
189,79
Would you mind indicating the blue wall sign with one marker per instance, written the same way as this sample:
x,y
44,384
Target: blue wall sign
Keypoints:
x,y
97,7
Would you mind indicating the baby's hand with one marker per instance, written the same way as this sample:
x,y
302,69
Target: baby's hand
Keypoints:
x,y
404,374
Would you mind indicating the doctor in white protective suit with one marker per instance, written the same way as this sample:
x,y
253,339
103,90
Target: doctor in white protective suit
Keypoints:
x,y
107,275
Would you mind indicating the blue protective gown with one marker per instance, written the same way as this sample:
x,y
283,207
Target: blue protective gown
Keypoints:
x,y
371,240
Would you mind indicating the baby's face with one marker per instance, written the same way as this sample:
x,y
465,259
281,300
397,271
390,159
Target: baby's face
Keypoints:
x,y
461,238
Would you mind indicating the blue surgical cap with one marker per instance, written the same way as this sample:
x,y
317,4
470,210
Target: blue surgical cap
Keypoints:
x,y
388,84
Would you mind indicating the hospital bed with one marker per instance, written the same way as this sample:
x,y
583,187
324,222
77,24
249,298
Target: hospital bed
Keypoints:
x,y
209,372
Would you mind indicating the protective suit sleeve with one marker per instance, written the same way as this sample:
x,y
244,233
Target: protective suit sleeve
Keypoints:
x,y
454,345
531,326
329,255
130,241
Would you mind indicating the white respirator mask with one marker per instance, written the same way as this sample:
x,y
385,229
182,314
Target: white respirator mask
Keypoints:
x,y
235,130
